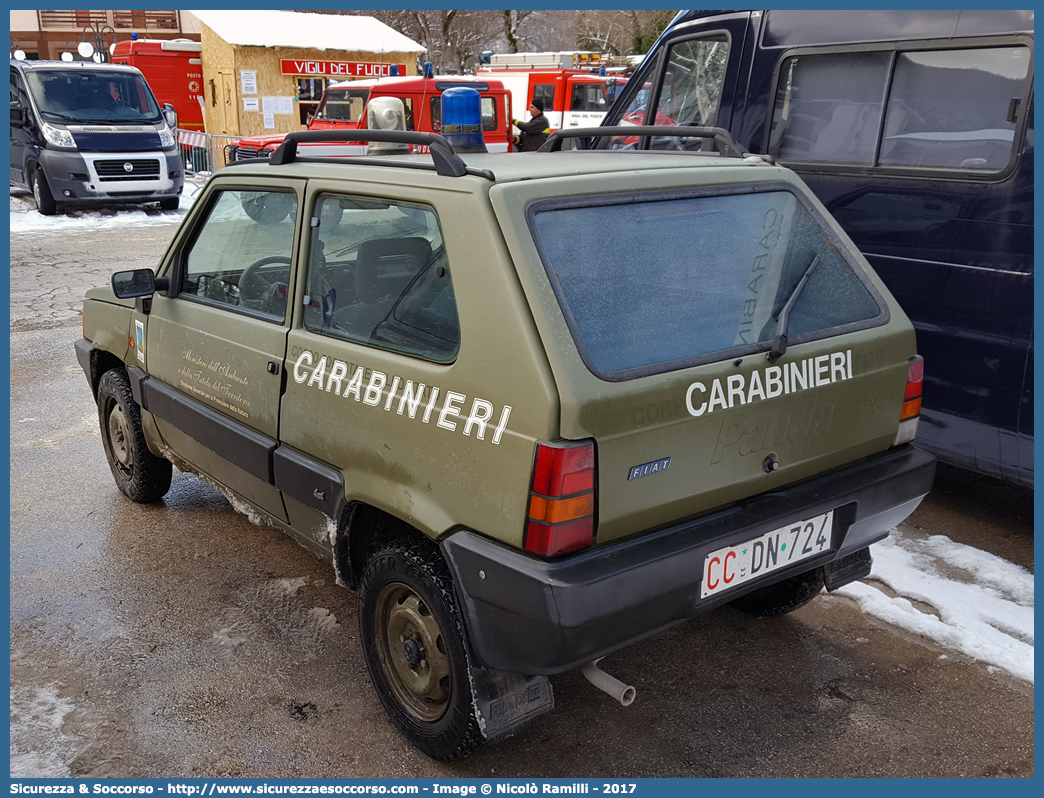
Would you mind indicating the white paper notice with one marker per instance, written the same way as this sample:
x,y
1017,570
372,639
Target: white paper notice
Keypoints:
x,y
277,105
269,121
251,104
249,80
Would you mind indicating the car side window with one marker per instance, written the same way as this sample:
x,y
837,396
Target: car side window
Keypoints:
x,y
378,275
242,252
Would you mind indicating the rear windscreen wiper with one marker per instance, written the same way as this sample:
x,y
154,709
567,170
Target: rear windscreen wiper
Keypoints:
x,y
779,345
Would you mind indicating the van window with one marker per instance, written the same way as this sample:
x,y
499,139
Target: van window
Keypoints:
x,y
955,109
828,108
692,82
18,92
651,286
379,276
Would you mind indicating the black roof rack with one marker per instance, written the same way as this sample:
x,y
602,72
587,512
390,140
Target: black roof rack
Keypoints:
x,y
445,161
598,137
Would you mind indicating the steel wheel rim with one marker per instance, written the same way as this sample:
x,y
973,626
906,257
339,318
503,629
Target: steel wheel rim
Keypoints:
x,y
412,653
118,436
36,190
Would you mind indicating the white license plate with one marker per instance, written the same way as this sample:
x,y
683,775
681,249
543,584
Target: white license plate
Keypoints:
x,y
732,566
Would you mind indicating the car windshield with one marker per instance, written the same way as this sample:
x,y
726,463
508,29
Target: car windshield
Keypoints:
x,y
650,286
343,105
92,96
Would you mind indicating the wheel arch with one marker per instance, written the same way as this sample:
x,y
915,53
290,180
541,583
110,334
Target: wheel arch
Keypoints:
x,y
363,530
101,362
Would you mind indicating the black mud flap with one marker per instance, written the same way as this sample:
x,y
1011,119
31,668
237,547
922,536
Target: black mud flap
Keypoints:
x,y
507,702
848,569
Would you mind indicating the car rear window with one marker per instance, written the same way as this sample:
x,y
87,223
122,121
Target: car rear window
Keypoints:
x,y
651,284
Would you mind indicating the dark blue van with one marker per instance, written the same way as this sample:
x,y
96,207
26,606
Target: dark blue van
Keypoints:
x,y
91,133
915,129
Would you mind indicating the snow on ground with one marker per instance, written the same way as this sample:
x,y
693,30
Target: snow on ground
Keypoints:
x,y
978,603
25,219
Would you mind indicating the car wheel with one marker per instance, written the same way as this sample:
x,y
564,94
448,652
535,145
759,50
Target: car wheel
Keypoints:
x,y
140,475
45,203
170,204
413,641
783,597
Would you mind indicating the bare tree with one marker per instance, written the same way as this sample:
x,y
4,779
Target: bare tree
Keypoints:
x,y
512,24
620,32
453,38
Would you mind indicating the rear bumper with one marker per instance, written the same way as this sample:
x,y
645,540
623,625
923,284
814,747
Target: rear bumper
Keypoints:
x,y
539,617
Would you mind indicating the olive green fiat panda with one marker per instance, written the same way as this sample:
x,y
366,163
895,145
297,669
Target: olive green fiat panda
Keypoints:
x,y
533,407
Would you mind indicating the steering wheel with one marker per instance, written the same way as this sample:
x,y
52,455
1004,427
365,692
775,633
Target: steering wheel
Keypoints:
x,y
258,292
118,104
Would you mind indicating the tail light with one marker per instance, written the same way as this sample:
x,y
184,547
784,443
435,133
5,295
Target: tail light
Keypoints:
x,y
561,499
911,402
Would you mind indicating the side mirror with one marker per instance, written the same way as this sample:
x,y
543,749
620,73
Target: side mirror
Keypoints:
x,y
137,282
170,116
19,115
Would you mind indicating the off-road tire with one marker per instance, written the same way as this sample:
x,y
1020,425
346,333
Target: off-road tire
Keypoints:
x,y
140,475
783,597
170,204
406,599
45,203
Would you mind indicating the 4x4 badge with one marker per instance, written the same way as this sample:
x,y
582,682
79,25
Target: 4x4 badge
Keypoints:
x,y
643,470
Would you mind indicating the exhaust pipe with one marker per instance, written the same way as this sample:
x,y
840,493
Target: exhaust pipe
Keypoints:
x,y
623,693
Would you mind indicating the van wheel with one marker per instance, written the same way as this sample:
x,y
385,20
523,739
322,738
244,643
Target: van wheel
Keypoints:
x,y
140,475
783,597
170,204
413,641
45,203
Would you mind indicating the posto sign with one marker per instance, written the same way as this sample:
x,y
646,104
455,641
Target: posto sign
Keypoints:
x,y
339,69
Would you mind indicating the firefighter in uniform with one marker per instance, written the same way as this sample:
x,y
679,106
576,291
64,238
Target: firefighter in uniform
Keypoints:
x,y
535,131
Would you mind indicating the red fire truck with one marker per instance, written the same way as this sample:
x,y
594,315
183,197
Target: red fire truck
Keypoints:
x,y
569,84
343,105
174,72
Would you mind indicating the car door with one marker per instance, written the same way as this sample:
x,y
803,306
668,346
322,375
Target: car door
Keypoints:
x,y
214,350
